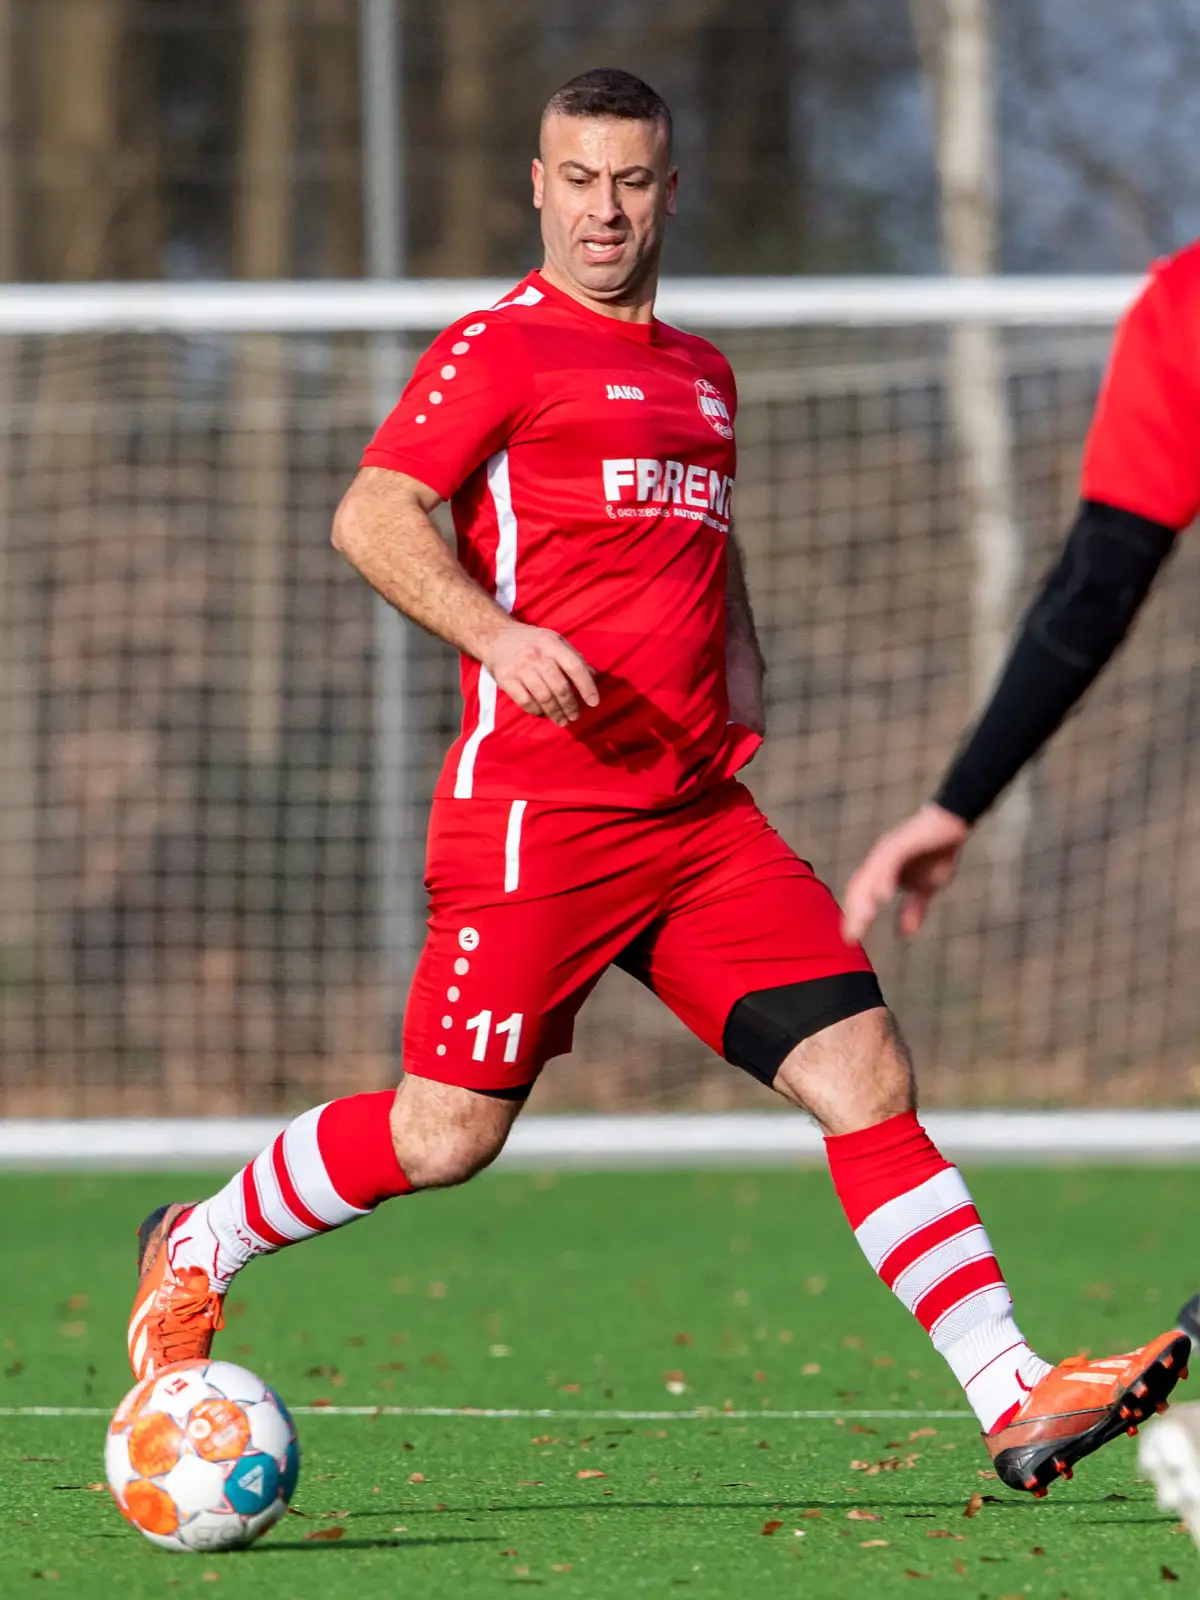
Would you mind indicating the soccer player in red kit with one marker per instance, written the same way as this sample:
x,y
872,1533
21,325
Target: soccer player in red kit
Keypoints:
x,y
589,814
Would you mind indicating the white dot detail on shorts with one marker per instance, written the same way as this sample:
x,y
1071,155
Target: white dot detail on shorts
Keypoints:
x,y
447,1022
449,371
441,1049
468,938
435,397
453,993
459,349
475,329
422,418
462,966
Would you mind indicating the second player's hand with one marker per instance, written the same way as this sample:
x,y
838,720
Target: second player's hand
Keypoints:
x,y
541,672
917,859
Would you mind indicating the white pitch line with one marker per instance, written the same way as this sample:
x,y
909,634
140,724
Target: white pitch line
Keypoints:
x,y
543,1415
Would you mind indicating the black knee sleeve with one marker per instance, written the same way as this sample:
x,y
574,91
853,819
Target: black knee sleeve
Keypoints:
x,y
764,1027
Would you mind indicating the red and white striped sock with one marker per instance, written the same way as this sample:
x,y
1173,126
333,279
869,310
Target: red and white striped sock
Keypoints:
x,y
331,1166
918,1227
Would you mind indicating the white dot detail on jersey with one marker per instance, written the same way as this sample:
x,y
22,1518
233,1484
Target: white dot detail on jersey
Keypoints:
x,y
422,418
447,1022
453,993
459,349
462,966
435,397
441,1049
468,938
475,329
449,372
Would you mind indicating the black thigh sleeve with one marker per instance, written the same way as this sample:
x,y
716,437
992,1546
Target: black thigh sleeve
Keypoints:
x,y
764,1027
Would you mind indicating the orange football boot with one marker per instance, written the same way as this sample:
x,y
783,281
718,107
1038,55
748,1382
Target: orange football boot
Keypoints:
x,y
175,1314
1080,1405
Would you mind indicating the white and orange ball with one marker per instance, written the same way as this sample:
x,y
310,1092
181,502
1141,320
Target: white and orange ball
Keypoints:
x,y
202,1456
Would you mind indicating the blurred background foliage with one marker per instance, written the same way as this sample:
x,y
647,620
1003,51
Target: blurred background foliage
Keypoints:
x,y
179,139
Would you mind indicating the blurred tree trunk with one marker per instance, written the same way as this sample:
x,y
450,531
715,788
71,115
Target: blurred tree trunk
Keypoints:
x,y
76,71
954,43
331,46
468,111
263,231
18,725
752,189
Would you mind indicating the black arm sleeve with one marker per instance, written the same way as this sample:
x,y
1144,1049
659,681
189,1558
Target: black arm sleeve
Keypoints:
x,y
1071,630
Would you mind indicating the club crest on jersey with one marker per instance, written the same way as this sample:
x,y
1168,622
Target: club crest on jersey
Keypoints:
x,y
713,408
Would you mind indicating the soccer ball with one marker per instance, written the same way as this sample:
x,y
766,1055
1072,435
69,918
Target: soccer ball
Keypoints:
x,y
202,1456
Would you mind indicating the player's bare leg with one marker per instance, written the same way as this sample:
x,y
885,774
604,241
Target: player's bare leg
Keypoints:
x,y
329,1167
918,1227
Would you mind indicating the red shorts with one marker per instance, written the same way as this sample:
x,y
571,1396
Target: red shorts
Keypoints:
x,y
530,902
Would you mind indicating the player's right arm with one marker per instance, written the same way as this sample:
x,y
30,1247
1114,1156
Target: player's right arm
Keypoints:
x,y
1141,485
425,450
385,530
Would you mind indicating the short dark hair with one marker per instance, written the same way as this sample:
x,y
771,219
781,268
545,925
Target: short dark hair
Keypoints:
x,y
609,92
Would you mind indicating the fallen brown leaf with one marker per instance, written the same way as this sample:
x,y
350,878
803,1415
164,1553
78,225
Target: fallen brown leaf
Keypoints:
x,y
1167,1575
416,1477
812,1513
862,1516
591,1472
909,1573
940,1533
771,1527
324,1535
974,1505
871,1544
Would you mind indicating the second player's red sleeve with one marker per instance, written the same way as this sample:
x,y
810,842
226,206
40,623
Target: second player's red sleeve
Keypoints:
x,y
1143,450
469,394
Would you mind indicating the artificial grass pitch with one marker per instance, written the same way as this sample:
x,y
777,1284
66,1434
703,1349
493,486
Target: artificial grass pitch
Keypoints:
x,y
587,1296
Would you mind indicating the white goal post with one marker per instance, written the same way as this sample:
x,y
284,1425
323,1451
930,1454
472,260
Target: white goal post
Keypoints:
x,y
428,305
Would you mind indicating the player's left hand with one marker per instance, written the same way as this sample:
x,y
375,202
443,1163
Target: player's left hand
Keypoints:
x,y
917,859
744,684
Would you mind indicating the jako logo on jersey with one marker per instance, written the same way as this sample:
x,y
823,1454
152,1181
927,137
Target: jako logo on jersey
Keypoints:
x,y
623,391
713,407
660,482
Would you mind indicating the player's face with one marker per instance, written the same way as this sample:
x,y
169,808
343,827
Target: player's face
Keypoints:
x,y
604,186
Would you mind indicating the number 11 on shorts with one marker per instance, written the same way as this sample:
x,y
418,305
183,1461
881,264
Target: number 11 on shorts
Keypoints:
x,y
482,1027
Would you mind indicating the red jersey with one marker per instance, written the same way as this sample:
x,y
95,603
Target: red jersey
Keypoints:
x,y
589,464
1143,450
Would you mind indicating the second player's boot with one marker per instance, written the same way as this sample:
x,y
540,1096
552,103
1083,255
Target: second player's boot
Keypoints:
x,y
1080,1405
176,1310
1188,1320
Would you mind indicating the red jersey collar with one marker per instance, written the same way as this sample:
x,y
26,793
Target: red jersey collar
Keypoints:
x,y
637,332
